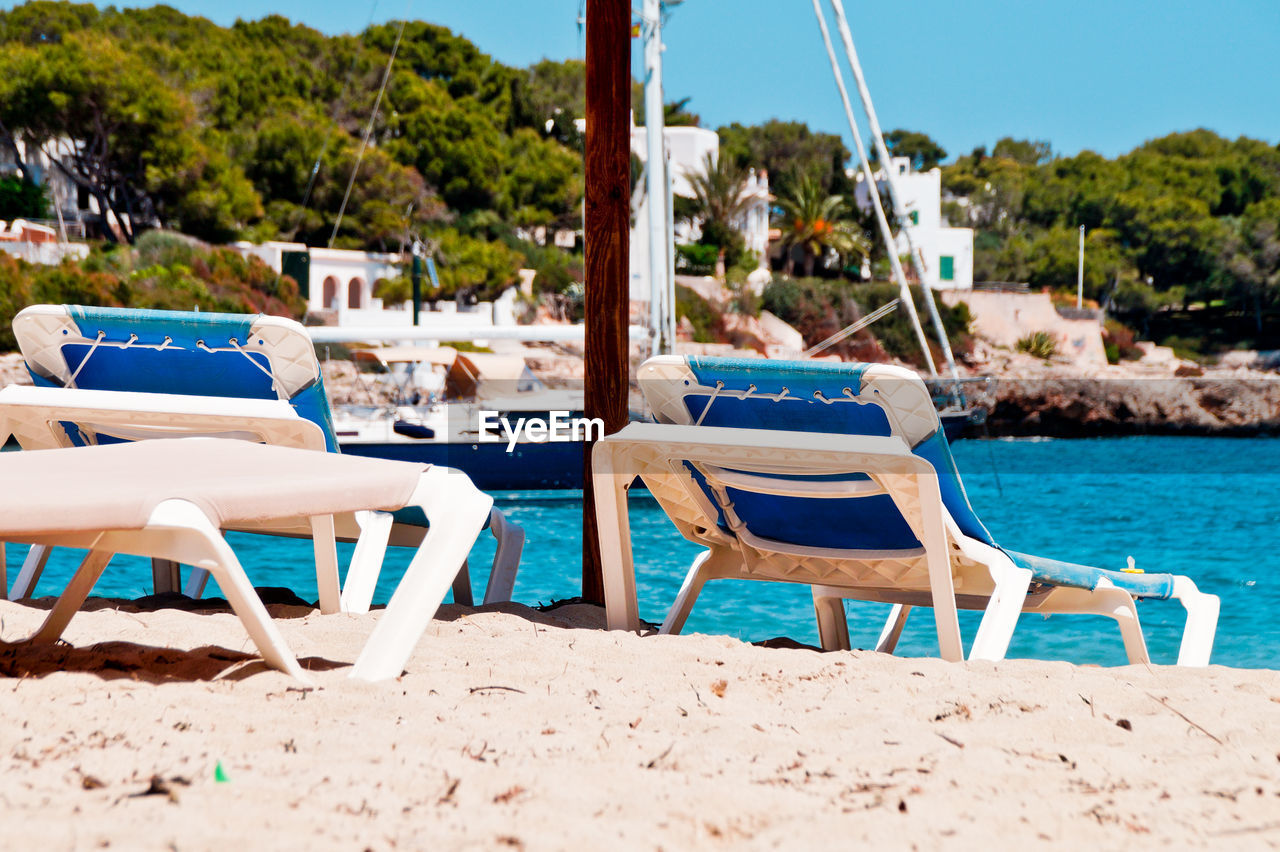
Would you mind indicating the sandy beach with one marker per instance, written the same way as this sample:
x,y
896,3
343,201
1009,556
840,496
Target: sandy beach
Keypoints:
x,y
519,729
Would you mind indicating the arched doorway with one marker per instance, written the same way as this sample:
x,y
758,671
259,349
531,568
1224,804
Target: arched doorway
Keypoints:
x,y
355,293
329,293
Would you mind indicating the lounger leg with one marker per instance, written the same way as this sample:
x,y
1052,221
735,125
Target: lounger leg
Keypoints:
x,y
187,536
892,631
325,546
196,582
462,586
165,576
29,574
833,627
689,591
937,557
456,511
1202,622
366,561
73,597
506,559
4,572
1119,605
1001,615
1104,600
614,527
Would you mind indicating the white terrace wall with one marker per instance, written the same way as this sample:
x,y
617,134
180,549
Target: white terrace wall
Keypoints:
x,y
1005,318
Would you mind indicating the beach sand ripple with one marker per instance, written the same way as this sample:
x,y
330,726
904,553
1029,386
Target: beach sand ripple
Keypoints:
x,y
519,729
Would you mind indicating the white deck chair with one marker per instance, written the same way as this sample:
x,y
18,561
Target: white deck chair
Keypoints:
x,y
168,499
235,360
843,522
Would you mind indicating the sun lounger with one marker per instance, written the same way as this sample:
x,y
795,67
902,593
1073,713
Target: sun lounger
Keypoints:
x,y
839,476
226,366
169,499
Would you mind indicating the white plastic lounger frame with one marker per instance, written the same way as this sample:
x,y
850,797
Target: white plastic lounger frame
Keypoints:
x,y
657,453
178,530
34,416
42,331
981,577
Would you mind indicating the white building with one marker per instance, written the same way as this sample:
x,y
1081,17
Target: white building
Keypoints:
x,y
74,209
947,251
336,279
687,149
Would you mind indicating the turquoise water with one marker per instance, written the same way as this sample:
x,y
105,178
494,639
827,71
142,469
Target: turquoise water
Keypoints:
x,y
1206,507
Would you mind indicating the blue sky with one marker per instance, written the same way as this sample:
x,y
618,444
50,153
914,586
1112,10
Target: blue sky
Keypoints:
x,y
1081,74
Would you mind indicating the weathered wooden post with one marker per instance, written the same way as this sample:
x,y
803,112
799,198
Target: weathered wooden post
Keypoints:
x,y
608,198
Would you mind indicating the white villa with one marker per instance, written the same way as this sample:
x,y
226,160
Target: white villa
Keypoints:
x,y
947,251
75,210
330,279
687,148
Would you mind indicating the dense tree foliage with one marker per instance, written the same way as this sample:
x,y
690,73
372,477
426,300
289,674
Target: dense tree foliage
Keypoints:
x,y
254,130
816,224
922,150
1189,219
790,151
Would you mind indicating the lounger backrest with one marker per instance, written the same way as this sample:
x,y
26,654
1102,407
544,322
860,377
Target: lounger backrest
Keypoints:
x,y
820,397
243,356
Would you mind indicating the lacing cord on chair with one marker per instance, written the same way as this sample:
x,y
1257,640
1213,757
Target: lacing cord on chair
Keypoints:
x,y
707,407
101,340
71,382
236,347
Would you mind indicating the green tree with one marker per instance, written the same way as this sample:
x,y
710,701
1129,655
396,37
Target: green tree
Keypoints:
x,y
1022,151
1251,257
720,199
132,141
923,152
22,199
786,149
815,222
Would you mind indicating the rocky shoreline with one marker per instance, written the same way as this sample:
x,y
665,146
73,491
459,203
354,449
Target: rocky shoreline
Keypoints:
x,y
1035,398
1089,408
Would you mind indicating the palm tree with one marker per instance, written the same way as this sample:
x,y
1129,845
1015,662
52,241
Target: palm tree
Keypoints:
x,y
720,198
815,221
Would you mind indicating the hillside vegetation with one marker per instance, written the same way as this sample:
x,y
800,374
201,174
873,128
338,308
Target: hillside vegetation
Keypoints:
x,y
253,131
1182,233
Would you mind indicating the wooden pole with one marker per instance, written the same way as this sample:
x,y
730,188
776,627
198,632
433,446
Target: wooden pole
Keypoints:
x,y
608,214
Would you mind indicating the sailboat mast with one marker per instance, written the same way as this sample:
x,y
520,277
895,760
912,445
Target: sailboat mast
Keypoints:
x,y
656,172
899,209
885,231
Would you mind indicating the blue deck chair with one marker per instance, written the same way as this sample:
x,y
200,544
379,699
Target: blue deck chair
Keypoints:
x,y
842,533
234,358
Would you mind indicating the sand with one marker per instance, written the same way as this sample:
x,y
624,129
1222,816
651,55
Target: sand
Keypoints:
x,y
527,730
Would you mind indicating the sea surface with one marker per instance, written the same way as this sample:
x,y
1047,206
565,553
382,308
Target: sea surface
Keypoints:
x,y
1205,507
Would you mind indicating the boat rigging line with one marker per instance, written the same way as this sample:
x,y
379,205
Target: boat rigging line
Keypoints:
x,y
885,231
368,131
328,136
899,209
851,328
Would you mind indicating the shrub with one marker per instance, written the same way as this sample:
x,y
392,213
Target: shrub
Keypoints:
x,y
819,307
22,199
1041,344
696,259
1118,339
707,323
1187,348
164,270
